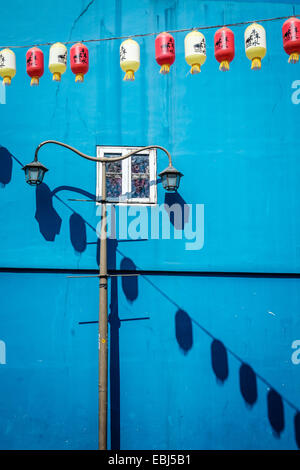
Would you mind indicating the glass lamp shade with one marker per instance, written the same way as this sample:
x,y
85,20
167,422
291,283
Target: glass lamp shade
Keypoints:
x,y
170,178
34,173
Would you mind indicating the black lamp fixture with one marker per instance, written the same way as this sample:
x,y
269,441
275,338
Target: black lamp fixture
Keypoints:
x,y
34,172
170,178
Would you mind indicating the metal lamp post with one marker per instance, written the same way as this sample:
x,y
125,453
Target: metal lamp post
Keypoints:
x,y
170,178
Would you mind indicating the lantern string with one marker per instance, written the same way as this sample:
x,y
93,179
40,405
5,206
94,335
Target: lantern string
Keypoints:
x,y
141,35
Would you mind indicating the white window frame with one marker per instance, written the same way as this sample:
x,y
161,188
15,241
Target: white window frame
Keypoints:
x,y
126,175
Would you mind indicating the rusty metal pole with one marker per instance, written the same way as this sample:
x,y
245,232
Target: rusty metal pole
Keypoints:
x,y
103,318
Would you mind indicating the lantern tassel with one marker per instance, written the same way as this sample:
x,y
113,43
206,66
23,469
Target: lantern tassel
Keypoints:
x,y
79,77
224,66
129,76
256,64
56,76
195,69
164,69
34,81
294,58
7,80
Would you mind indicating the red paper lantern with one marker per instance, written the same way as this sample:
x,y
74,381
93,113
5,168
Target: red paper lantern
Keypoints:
x,y
164,51
291,38
34,64
224,47
79,57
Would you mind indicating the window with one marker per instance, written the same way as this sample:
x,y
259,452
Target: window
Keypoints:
x,y
132,180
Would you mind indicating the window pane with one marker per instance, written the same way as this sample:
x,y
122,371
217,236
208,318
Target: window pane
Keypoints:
x,y
140,176
113,177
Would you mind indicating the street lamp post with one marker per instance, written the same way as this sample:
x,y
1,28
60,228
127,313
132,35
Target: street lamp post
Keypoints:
x,y
170,178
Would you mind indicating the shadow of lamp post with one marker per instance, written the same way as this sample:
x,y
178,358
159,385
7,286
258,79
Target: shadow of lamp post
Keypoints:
x,y
170,178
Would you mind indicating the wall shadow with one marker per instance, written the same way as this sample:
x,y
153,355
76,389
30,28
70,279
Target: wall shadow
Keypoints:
x,y
77,232
248,384
48,219
177,220
275,412
89,195
297,428
219,360
6,164
50,222
114,351
184,331
183,324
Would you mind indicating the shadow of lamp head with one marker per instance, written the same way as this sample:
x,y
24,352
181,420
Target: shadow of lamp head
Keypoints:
x,y
129,283
177,209
5,166
34,173
48,219
77,232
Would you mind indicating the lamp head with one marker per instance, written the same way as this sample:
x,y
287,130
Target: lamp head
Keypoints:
x,y
34,173
170,178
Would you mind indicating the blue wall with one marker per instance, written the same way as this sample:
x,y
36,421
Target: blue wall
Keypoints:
x,y
205,360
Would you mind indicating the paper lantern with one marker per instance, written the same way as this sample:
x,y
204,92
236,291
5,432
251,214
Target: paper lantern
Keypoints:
x,y
291,39
58,60
195,50
34,64
129,58
224,47
164,51
7,65
255,44
79,60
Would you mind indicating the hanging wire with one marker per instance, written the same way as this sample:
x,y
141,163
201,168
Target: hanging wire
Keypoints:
x,y
141,35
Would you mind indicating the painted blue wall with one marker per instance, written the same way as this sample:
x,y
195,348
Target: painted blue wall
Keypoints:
x,y
196,361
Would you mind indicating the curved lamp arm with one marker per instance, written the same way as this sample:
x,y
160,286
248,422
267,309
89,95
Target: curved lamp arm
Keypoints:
x,y
101,159
34,171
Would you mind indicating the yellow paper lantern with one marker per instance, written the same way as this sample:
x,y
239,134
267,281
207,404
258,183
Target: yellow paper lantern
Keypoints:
x,y
7,65
129,58
195,50
255,44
